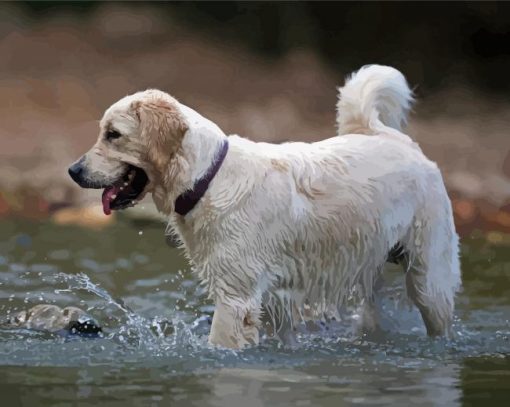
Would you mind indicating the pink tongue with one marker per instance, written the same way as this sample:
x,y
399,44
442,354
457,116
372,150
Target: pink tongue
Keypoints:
x,y
108,198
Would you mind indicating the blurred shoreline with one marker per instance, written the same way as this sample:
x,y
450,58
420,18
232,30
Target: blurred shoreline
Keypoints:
x,y
60,73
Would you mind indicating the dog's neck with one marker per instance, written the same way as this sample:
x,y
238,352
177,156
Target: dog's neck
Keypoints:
x,y
201,146
189,199
202,142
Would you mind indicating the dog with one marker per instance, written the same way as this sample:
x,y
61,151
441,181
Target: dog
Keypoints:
x,y
291,230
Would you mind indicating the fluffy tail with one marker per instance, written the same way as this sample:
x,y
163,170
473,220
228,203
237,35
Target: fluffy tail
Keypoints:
x,y
375,96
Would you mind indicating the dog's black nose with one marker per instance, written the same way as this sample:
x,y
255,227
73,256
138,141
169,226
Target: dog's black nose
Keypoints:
x,y
76,172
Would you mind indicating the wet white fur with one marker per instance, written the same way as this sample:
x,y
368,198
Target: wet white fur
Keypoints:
x,y
299,227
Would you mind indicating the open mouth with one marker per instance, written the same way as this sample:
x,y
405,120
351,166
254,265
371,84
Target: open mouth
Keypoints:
x,y
125,192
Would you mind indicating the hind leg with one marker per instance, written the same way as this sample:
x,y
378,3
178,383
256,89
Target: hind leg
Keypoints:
x,y
371,312
436,308
433,273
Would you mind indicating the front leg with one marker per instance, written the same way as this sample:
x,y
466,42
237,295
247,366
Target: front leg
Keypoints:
x,y
234,326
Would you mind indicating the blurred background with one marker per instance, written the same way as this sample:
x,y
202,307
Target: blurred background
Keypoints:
x,y
267,71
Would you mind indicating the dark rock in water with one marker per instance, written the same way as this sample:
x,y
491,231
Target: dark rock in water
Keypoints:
x,y
84,326
51,318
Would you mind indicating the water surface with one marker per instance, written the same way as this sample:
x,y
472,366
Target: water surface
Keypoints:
x,y
155,317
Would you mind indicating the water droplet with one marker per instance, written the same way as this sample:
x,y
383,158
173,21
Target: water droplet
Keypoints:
x,y
140,232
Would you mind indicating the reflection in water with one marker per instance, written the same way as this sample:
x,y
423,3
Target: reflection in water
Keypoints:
x,y
253,387
155,320
486,380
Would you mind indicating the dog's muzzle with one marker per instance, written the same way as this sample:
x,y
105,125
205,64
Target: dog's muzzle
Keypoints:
x,y
81,175
119,193
76,171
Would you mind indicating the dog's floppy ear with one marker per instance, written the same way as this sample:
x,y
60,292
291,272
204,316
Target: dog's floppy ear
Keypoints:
x,y
163,127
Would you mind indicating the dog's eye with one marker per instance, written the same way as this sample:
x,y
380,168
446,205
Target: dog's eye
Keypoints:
x,y
112,134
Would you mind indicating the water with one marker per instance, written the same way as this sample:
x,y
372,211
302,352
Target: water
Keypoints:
x,y
155,318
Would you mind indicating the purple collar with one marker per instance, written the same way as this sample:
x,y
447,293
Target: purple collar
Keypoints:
x,y
187,200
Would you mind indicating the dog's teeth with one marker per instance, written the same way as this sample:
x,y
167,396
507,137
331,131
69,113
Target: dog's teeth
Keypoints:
x,y
126,184
113,197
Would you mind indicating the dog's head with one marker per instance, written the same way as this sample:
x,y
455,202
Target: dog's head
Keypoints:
x,y
139,136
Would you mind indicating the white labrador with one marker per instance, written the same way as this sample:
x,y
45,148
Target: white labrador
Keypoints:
x,y
292,229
